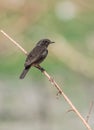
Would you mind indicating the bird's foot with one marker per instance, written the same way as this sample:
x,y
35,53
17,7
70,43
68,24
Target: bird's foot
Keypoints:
x,y
40,68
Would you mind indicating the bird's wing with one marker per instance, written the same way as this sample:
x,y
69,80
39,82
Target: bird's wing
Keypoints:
x,y
34,55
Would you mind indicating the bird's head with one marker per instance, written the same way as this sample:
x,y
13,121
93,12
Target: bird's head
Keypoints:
x,y
44,42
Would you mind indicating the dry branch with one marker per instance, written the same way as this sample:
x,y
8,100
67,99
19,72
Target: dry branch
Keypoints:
x,y
89,113
53,82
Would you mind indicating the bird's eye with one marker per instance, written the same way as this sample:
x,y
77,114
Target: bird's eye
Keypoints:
x,y
45,41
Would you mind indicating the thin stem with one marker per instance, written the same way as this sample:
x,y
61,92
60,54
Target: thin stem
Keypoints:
x,y
88,116
67,99
17,44
53,82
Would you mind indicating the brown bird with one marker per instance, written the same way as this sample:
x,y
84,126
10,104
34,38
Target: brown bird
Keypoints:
x,y
36,56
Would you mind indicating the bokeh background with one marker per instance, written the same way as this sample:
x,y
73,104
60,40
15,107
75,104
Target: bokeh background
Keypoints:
x,y
32,103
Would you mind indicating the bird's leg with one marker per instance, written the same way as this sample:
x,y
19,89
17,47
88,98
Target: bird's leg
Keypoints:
x,y
39,67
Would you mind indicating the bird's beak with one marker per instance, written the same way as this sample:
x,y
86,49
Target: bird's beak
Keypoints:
x,y
52,42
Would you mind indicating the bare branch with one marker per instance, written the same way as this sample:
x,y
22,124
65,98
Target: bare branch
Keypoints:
x,y
53,82
17,44
67,99
90,109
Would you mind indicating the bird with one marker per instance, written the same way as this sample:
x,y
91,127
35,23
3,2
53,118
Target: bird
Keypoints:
x,y
36,56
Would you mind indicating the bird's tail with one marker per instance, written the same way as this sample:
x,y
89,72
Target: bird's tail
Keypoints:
x,y
24,73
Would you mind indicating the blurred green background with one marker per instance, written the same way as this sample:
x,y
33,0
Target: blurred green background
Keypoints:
x,y
32,103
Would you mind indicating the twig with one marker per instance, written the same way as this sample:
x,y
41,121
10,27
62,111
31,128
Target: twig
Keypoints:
x,y
53,82
17,44
90,109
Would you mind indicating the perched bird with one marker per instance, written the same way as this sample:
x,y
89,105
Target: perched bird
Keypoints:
x,y
36,56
